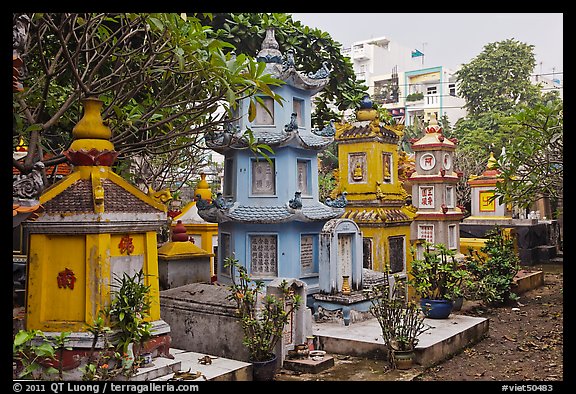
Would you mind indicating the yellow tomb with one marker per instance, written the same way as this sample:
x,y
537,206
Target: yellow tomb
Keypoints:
x,y
202,233
377,201
95,227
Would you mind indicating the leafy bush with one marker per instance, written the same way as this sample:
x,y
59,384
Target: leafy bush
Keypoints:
x,y
262,322
491,277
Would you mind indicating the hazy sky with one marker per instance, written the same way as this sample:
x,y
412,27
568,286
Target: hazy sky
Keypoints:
x,y
450,39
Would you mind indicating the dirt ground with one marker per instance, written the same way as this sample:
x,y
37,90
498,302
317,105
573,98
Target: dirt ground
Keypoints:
x,y
524,343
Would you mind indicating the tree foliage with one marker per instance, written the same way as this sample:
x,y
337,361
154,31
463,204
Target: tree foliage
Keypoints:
x,y
312,47
499,93
532,167
498,78
164,82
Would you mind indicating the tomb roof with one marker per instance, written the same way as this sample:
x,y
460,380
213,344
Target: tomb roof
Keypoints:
x,y
315,211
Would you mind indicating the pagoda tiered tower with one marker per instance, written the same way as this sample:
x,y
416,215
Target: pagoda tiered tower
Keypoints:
x,y
434,188
368,173
269,216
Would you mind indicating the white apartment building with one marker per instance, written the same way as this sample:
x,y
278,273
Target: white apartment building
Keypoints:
x,y
398,80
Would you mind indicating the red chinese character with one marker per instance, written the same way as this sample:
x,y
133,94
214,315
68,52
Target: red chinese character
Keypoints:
x,y
126,245
66,279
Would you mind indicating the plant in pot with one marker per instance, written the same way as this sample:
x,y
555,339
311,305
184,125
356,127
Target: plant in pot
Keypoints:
x,y
262,317
437,278
400,319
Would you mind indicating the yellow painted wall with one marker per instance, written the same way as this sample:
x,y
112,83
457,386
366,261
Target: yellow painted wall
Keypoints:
x,y
50,308
380,250
374,169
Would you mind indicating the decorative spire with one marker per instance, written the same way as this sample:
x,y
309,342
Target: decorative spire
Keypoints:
x,y
203,188
91,145
179,232
269,52
366,111
433,126
491,162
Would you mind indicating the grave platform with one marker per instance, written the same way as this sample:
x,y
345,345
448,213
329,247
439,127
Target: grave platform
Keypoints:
x,y
185,365
363,338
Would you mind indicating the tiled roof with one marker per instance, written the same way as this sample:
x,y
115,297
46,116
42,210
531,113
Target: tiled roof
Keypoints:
x,y
78,199
270,214
380,215
364,130
272,137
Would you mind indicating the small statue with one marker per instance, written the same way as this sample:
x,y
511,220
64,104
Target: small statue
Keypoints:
x,y
357,174
339,202
220,202
322,72
296,202
292,125
31,185
328,131
288,62
202,204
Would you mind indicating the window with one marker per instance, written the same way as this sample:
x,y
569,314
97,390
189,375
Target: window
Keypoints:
x,y
303,173
387,167
450,196
452,89
426,232
307,253
298,109
396,253
263,178
432,90
426,198
226,252
452,236
263,255
367,247
229,177
264,117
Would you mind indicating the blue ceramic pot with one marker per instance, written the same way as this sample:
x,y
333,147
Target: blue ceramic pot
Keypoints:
x,y
436,309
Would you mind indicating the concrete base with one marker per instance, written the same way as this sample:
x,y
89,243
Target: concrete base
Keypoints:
x,y
444,338
217,369
307,365
527,280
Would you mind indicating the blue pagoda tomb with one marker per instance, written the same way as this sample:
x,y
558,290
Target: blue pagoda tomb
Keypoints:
x,y
269,215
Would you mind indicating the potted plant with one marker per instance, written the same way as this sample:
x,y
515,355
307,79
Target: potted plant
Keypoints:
x,y
437,278
401,320
262,317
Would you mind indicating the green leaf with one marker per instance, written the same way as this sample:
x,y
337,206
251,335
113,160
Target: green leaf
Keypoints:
x,y
252,111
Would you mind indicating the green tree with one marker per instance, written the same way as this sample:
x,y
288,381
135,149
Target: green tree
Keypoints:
x,y
498,78
312,47
495,85
532,166
164,82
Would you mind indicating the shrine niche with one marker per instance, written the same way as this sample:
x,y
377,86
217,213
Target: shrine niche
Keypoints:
x,y
341,269
357,166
